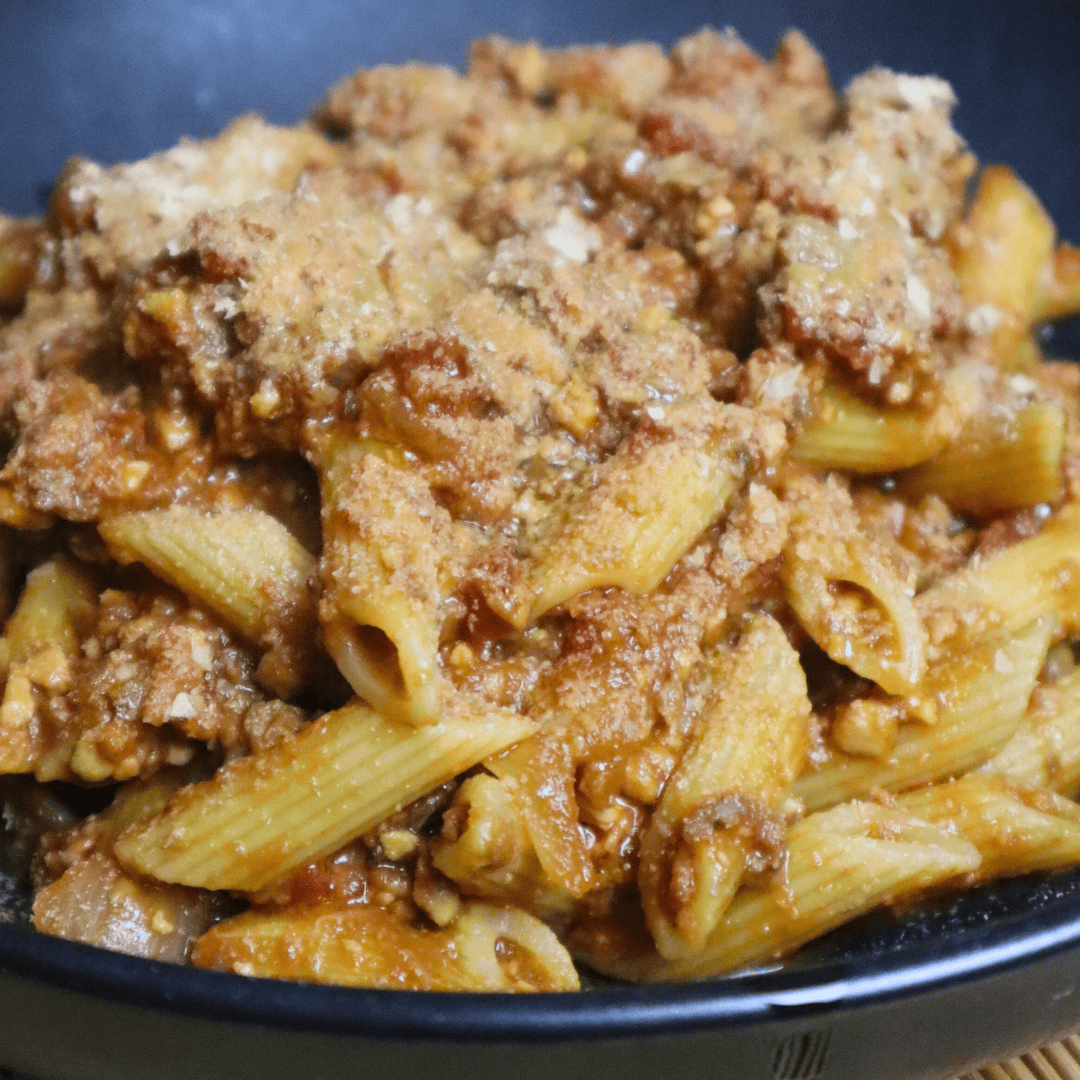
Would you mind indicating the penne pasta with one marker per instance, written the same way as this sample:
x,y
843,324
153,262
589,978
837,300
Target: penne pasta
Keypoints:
x,y
622,528
850,433
841,862
263,815
1058,293
721,804
1035,577
486,849
979,698
1016,830
53,615
485,948
1000,462
539,775
1045,751
849,598
385,541
244,565
1000,253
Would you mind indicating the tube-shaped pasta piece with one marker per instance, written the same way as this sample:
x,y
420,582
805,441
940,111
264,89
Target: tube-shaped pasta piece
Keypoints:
x,y
540,776
489,853
1016,831
723,798
849,433
980,698
841,863
485,948
1006,591
1045,751
1058,294
625,528
383,549
261,816
56,607
1000,252
998,463
54,613
848,596
244,565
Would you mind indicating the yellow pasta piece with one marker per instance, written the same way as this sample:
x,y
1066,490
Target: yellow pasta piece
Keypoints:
x,y
492,855
263,815
1045,751
625,528
1016,831
384,546
485,948
1000,253
1006,591
551,818
849,433
850,599
724,795
980,698
841,863
56,608
1058,293
54,613
244,565
999,462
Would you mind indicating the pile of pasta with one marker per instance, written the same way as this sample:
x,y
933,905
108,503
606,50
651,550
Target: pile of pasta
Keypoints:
x,y
608,507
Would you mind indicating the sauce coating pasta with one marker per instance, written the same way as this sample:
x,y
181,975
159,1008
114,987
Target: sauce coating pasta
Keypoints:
x,y
610,507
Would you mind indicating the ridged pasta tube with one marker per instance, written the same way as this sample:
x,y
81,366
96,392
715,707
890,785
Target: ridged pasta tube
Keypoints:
x,y
848,596
244,565
645,506
980,698
261,816
384,540
723,798
486,948
1016,831
999,462
841,863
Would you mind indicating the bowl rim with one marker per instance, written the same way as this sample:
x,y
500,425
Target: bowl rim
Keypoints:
x,y
916,968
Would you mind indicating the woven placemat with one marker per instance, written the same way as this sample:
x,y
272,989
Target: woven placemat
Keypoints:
x,y
1058,1061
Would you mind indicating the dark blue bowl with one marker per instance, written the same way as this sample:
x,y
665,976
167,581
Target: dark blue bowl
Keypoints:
x,y
921,996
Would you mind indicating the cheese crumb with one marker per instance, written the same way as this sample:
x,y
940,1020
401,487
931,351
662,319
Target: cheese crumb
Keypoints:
x,y
397,843
984,320
571,237
182,708
202,653
919,296
134,473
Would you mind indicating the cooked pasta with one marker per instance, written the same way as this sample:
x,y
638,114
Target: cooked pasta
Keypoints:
x,y
605,508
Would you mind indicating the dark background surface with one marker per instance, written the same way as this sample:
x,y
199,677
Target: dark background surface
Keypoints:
x,y
116,79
